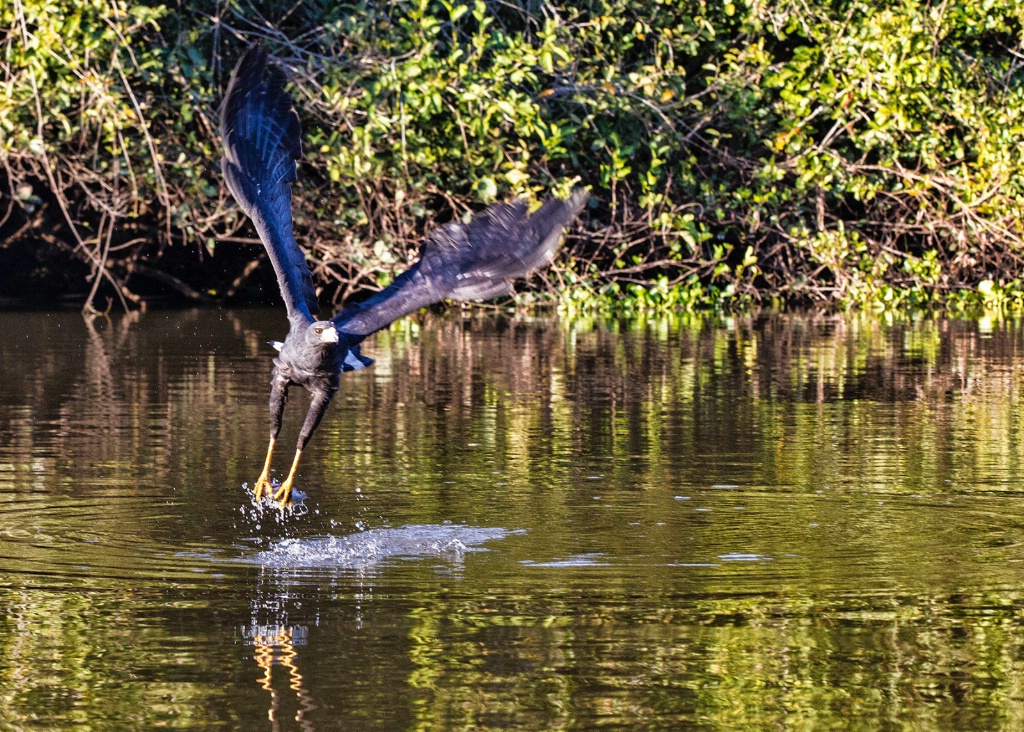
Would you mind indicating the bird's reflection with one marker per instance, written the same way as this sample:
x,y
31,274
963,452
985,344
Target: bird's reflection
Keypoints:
x,y
277,638
295,575
276,645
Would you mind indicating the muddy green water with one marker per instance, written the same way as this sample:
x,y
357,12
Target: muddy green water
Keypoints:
x,y
774,523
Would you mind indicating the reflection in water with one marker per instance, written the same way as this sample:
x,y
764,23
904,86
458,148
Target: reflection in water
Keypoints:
x,y
276,639
279,593
777,522
275,645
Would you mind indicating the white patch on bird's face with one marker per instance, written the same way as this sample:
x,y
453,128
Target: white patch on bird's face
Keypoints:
x,y
325,332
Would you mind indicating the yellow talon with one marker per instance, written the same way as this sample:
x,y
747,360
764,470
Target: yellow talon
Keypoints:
x,y
261,485
284,493
263,482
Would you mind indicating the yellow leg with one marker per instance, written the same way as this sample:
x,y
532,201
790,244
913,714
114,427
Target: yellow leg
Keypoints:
x,y
284,493
263,483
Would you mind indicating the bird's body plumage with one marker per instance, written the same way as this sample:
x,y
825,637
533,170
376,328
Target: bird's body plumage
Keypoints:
x,y
474,261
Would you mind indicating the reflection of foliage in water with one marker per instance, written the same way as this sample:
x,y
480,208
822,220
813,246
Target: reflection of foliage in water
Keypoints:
x,y
891,594
760,661
86,661
791,397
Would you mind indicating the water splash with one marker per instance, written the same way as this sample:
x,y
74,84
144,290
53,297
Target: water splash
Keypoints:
x,y
367,548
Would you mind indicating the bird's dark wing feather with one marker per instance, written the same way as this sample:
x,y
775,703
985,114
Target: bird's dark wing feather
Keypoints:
x,y
261,144
473,261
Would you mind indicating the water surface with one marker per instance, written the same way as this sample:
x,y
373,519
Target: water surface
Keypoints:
x,y
778,522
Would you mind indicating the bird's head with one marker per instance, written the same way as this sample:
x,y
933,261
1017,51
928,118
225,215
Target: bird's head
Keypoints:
x,y
323,331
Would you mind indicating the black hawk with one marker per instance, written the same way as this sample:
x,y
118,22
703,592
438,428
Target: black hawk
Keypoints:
x,y
473,261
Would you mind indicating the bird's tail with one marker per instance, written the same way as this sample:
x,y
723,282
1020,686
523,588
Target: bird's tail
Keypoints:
x,y
474,261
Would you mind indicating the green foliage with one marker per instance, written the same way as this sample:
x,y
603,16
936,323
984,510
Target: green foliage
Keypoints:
x,y
861,153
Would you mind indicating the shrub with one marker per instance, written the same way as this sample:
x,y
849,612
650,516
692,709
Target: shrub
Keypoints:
x,y
856,152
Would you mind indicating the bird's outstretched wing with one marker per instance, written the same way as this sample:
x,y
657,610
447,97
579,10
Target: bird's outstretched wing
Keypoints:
x,y
473,261
261,144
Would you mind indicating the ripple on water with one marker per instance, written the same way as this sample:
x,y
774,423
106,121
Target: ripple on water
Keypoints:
x,y
592,559
61,542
